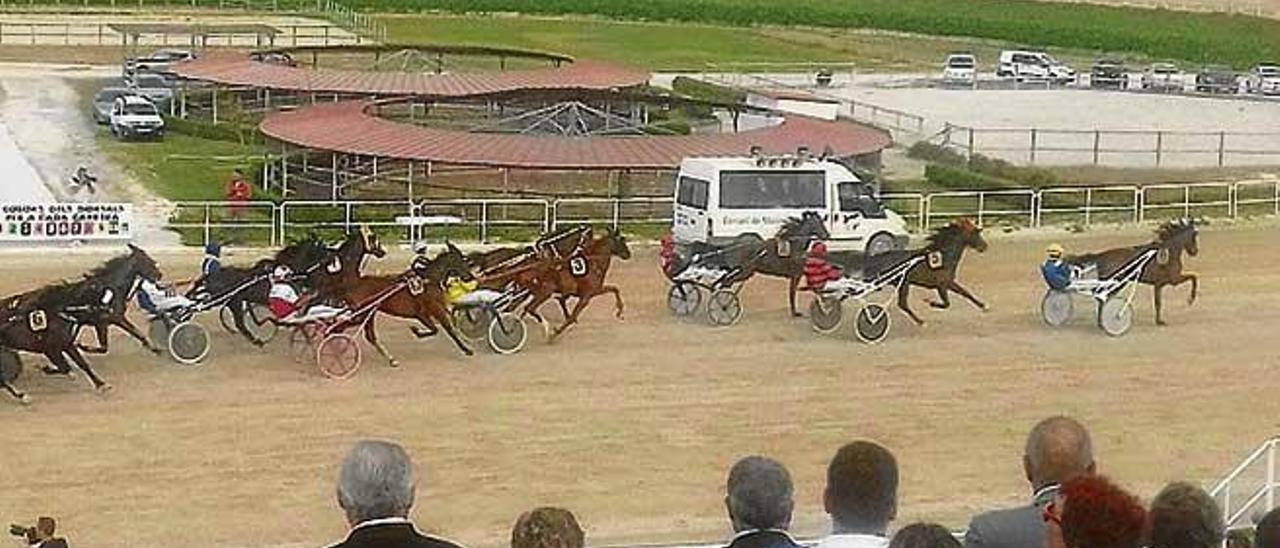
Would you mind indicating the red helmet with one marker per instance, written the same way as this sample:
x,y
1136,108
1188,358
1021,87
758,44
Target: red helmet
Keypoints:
x,y
818,249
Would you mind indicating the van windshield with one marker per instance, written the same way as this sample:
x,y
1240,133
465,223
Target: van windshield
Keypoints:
x,y
692,192
772,190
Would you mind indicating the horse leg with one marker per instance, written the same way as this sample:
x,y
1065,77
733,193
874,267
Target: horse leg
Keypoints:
x,y
955,286
22,398
441,314
531,310
428,328
573,316
1195,284
237,314
100,330
372,336
792,284
617,298
58,364
1156,291
128,327
943,296
83,364
564,305
904,292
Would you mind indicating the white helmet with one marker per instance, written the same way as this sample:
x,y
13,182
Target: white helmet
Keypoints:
x,y
281,272
420,247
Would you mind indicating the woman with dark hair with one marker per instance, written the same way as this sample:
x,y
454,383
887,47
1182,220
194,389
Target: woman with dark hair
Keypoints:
x,y
1092,512
924,535
547,527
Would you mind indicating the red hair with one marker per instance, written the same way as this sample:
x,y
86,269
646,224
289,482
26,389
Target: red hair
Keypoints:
x,y
1099,514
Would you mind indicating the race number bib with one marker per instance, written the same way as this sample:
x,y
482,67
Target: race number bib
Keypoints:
x,y
1162,256
784,248
415,286
935,260
335,266
578,266
37,321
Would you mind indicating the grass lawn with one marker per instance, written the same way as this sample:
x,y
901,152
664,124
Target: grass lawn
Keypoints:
x,y
182,167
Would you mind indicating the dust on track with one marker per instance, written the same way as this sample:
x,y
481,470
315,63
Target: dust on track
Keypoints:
x,y
633,424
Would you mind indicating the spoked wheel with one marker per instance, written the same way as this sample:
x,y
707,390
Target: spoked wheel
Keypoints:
x,y
872,323
1056,307
724,308
825,313
1115,316
507,333
472,321
683,298
158,332
338,356
259,320
227,318
301,343
189,343
10,365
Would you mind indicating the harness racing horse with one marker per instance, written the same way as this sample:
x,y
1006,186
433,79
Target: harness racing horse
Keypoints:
x,y
36,323
250,285
102,297
551,246
781,256
581,276
1172,238
939,269
417,294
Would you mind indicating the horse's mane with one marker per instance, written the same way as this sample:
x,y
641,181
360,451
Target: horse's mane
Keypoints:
x,y
109,266
1172,229
942,235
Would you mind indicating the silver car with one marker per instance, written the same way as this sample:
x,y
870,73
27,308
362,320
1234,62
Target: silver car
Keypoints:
x,y
103,101
154,87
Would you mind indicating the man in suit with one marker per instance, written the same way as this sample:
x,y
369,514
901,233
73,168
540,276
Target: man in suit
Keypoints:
x,y
861,496
1058,449
42,535
375,490
758,497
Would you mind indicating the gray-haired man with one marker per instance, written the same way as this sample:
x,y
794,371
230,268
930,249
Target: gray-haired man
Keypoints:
x,y
759,499
375,490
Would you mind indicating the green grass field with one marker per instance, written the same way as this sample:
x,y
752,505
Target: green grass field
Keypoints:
x,y
181,167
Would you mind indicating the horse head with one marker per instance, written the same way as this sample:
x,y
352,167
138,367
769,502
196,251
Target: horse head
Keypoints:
x,y
1180,232
618,244
143,265
808,226
452,263
371,243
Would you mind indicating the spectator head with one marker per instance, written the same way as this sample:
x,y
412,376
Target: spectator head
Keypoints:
x,y
924,535
1184,516
375,482
759,494
862,489
45,527
547,527
1058,449
1096,513
1267,535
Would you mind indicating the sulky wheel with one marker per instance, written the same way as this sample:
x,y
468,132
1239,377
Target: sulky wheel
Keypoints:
x,y
188,343
683,298
227,318
825,313
158,332
724,308
302,344
10,365
507,333
1115,316
338,356
260,321
472,321
872,323
1056,307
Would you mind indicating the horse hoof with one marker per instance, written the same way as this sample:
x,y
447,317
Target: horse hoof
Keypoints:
x,y
104,389
24,399
394,364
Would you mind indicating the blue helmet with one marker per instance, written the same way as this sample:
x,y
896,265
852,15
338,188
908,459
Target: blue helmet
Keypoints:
x,y
213,248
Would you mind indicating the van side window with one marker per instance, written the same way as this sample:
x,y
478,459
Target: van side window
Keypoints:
x,y
857,197
692,192
773,190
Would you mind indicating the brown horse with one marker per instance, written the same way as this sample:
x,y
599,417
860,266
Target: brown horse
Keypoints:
x,y
418,294
581,275
781,256
938,266
1172,238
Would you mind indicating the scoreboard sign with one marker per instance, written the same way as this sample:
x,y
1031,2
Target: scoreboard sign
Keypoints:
x,y
66,222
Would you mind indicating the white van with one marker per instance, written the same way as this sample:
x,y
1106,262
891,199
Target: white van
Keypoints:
x,y
719,199
1023,65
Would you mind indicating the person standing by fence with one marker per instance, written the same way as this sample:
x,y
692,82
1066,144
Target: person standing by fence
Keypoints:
x,y
238,193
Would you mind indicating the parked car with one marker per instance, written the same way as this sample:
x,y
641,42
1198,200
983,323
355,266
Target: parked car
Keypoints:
x,y
157,61
154,87
1216,79
1108,73
1024,65
134,117
1162,77
960,68
1263,78
103,101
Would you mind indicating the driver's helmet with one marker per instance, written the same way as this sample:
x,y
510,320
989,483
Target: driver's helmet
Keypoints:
x,y
280,273
1055,251
817,249
213,248
82,170
420,247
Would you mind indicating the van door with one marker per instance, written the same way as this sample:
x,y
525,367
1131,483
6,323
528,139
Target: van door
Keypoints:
x,y
690,210
855,205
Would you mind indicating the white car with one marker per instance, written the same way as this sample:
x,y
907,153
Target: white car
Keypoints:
x,y
134,117
158,61
719,199
1263,79
960,68
1024,65
1162,77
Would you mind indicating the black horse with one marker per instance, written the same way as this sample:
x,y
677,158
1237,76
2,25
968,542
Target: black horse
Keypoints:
x,y
36,323
781,256
102,297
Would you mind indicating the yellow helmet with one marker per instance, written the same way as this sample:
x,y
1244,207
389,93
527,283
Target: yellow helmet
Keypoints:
x,y
1055,250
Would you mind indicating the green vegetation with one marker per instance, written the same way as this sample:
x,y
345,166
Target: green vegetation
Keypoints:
x,y
182,167
706,91
1199,37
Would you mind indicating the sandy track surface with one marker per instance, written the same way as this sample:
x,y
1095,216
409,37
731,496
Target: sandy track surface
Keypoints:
x,y
633,424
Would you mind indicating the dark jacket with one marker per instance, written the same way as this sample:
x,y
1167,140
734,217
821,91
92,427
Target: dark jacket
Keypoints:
x,y
764,539
56,542
392,535
1012,528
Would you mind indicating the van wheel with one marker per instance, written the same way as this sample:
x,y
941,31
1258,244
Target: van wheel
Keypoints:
x,y
880,243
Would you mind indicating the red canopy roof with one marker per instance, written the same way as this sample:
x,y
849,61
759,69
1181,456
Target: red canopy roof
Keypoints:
x,y
347,127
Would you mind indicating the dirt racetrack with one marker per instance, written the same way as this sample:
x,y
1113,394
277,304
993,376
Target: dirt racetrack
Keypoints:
x,y
634,424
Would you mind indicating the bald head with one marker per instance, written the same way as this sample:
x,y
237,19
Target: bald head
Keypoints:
x,y
1058,449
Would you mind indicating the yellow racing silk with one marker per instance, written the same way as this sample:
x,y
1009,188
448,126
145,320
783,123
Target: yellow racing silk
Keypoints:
x,y
458,289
